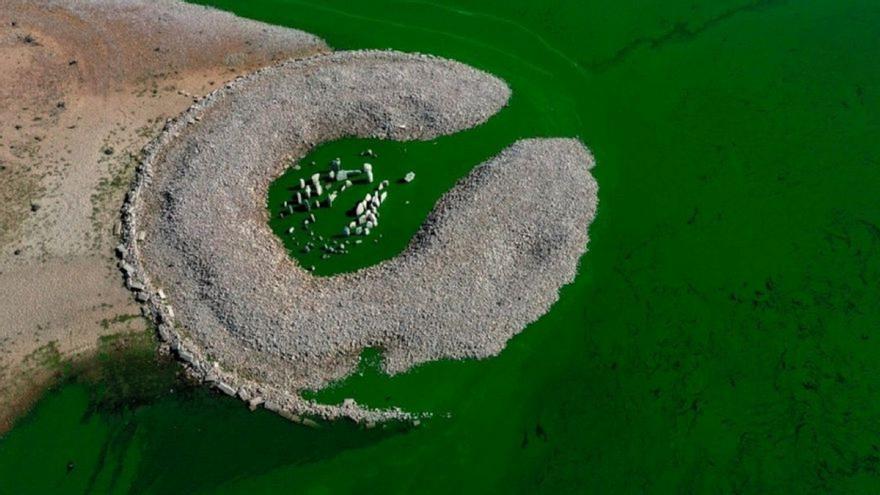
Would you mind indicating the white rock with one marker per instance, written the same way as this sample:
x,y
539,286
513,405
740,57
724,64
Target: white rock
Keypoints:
x,y
226,389
409,177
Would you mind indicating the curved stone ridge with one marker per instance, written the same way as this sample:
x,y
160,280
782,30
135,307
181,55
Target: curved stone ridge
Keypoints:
x,y
489,259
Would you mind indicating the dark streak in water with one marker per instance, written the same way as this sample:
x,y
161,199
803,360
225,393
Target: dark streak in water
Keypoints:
x,y
680,31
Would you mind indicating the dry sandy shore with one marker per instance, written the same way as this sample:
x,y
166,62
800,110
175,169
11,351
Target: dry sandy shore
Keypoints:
x,y
489,260
84,85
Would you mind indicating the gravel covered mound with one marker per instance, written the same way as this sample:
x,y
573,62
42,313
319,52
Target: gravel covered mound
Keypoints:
x,y
489,259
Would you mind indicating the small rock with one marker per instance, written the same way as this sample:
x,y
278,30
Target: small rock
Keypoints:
x,y
409,177
226,389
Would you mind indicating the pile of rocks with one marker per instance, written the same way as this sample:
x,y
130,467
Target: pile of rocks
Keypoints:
x,y
489,259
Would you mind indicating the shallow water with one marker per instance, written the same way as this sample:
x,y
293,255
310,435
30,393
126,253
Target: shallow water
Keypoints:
x,y
721,336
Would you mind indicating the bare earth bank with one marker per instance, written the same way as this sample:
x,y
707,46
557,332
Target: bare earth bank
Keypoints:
x,y
84,86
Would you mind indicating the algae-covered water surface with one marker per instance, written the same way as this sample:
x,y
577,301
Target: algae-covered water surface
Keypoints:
x,y
721,336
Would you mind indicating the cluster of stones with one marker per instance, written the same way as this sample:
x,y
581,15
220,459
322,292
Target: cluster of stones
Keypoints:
x,y
335,181
367,210
489,259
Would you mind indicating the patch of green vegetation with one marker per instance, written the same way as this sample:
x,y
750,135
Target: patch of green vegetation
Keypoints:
x,y
118,319
109,191
46,356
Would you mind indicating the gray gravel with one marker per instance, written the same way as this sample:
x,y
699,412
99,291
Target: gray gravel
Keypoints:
x,y
489,260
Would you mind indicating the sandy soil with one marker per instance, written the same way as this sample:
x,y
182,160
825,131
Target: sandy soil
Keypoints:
x,y
84,85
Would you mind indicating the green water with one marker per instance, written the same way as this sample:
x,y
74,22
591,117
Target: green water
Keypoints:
x,y
719,339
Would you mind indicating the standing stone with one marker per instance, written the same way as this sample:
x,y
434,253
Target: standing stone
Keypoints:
x,y
409,177
316,183
368,169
